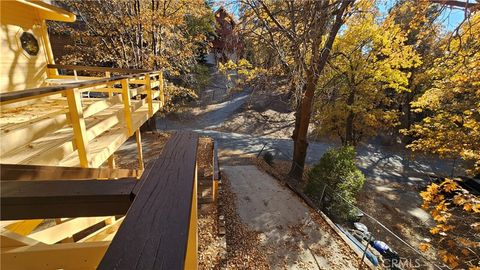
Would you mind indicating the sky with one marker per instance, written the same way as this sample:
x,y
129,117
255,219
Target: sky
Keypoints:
x,y
450,18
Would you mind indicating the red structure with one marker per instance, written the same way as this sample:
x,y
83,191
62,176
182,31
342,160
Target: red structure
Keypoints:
x,y
227,45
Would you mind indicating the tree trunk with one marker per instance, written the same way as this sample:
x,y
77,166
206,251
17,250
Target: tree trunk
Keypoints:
x,y
349,132
302,121
406,117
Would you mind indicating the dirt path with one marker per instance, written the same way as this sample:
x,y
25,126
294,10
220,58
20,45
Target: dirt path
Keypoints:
x,y
293,236
216,104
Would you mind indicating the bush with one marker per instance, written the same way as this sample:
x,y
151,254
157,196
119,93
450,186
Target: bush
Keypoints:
x,y
268,157
337,170
178,96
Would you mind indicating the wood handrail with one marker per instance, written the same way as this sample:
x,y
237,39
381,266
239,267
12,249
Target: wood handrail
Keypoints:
x,y
159,230
50,90
101,69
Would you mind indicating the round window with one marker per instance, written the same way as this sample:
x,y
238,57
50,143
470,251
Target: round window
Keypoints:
x,y
29,43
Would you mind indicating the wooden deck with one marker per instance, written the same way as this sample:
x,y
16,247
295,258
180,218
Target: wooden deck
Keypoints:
x,y
159,230
60,126
68,129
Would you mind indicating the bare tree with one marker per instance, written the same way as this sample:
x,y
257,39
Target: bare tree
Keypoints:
x,y
301,34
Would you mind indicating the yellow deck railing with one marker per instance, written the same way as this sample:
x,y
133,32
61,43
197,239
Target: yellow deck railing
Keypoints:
x,y
97,126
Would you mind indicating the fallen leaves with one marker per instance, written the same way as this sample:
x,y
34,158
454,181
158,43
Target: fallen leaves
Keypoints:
x,y
424,247
448,258
243,246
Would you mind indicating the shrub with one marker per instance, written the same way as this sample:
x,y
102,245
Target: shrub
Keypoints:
x,y
337,170
180,95
268,157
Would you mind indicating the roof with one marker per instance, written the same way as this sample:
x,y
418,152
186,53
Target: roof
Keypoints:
x,y
50,12
222,9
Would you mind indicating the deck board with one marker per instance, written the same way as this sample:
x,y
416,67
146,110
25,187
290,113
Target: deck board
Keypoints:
x,y
106,132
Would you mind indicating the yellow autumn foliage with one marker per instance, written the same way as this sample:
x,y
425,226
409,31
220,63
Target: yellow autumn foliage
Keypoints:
x,y
452,105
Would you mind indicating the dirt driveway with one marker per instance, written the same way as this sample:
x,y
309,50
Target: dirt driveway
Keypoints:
x,y
291,234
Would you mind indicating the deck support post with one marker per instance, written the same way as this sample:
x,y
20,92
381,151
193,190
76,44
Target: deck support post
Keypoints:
x,y
161,86
139,150
214,190
127,106
48,49
148,87
74,100
216,173
111,161
109,85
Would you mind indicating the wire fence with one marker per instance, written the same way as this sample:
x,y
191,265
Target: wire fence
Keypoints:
x,y
415,260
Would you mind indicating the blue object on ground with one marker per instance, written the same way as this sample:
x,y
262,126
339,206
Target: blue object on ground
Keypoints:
x,y
359,246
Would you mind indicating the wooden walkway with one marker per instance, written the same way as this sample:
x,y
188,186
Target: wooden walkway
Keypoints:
x,y
159,230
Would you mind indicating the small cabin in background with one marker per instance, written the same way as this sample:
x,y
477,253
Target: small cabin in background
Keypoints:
x,y
227,45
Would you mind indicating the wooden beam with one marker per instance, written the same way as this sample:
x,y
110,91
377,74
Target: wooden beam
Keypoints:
x,y
10,239
60,256
26,132
133,91
101,105
24,227
162,91
148,86
64,198
101,69
78,125
65,79
155,232
47,47
111,161
137,81
126,106
103,233
109,85
16,96
65,230
38,172
139,150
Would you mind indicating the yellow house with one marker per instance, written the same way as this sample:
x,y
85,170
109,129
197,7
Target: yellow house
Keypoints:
x,y
25,49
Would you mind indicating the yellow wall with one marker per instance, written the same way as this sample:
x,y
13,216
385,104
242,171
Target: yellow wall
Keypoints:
x,y
18,70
